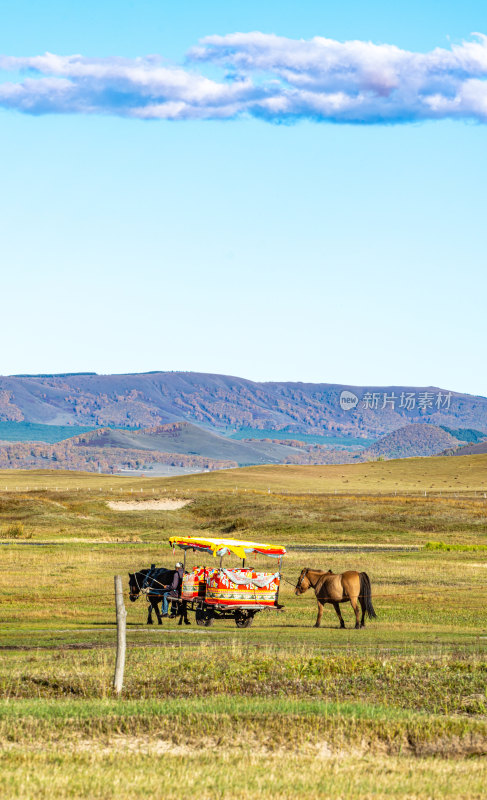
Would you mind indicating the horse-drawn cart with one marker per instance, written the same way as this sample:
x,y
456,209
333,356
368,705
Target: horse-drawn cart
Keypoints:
x,y
234,593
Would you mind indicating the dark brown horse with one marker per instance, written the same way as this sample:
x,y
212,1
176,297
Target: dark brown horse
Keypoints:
x,y
335,589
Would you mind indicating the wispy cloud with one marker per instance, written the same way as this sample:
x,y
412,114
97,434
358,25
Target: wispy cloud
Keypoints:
x,y
265,76
143,87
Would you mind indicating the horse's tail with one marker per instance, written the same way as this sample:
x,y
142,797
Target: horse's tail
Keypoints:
x,y
366,595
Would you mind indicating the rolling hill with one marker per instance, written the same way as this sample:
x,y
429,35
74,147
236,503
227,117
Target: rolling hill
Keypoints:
x,y
413,440
467,450
187,447
228,404
179,445
185,438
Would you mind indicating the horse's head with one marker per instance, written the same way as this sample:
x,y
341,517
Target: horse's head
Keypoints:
x,y
134,587
303,583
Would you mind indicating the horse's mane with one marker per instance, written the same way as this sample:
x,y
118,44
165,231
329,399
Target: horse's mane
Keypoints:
x,y
157,571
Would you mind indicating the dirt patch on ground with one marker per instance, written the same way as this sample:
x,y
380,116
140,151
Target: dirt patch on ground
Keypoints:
x,y
147,505
137,744
156,745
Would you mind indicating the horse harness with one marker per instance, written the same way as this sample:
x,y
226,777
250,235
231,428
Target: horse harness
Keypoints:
x,y
148,582
298,585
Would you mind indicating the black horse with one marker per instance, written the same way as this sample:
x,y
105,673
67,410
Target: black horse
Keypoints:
x,y
153,582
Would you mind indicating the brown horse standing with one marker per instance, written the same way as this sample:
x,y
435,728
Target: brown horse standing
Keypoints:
x,y
330,588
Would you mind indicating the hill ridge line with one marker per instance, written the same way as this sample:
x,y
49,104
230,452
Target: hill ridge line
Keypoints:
x,y
225,403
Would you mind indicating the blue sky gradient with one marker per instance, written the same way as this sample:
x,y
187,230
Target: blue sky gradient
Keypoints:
x,y
318,252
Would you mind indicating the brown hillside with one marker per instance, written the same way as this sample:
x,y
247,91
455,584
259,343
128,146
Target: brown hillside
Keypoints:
x,y
467,450
178,444
72,455
188,439
410,441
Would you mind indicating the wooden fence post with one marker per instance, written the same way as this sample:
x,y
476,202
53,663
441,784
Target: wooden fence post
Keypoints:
x,y
121,635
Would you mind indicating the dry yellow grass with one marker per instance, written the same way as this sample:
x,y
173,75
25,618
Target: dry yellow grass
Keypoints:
x,y
214,773
413,475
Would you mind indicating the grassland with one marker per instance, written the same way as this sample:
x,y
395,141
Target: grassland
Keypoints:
x,y
433,475
279,709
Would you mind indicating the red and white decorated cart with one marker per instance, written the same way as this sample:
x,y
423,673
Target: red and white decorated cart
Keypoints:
x,y
229,593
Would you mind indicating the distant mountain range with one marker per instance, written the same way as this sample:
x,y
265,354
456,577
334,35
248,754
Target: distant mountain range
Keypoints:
x,y
182,446
228,404
165,421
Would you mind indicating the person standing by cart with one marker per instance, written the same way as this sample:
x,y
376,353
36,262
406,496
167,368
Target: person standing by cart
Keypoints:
x,y
174,590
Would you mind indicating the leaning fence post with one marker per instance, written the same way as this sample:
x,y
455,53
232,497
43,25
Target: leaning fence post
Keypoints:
x,y
121,637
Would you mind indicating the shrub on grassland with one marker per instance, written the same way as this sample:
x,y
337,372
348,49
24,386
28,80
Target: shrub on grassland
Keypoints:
x,y
16,531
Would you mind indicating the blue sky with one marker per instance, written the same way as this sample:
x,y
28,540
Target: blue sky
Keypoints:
x,y
317,250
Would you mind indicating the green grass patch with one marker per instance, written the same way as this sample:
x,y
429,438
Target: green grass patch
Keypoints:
x,y
218,705
459,548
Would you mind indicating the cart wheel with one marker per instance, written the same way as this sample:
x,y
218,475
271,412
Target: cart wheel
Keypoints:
x,y
244,619
204,618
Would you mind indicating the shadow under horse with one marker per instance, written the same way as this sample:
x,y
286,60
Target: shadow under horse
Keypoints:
x,y
152,583
346,587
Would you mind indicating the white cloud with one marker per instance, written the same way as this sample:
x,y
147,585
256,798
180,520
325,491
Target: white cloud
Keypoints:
x,y
358,81
266,76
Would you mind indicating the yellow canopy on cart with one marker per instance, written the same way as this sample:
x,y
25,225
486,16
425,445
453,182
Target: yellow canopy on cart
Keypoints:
x,y
221,547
